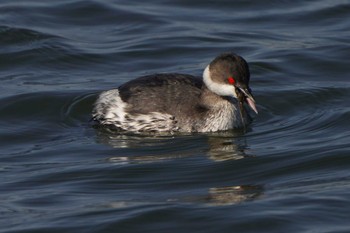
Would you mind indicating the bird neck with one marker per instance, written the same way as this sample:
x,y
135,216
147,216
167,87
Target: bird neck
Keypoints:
x,y
213,100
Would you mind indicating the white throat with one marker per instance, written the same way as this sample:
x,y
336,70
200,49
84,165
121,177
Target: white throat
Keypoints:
x,y
217,88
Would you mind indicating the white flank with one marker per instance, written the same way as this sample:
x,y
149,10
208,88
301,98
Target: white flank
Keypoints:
x,y
109,107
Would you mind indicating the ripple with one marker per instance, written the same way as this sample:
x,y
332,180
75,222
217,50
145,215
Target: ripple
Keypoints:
x,y
41,119
302,118
15,36
287,173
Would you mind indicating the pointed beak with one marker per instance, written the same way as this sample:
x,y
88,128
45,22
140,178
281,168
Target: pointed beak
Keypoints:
x,y
249,98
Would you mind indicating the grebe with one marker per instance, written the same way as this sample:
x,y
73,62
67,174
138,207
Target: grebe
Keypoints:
x,y
180,102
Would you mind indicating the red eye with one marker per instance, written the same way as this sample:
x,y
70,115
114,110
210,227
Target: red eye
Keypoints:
x,y
231,80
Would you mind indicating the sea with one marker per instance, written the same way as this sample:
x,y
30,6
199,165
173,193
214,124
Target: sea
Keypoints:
x,y
289,171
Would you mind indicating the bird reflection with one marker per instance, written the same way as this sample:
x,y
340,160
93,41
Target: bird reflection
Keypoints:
x,y
220,147
221,196
233,194
227,146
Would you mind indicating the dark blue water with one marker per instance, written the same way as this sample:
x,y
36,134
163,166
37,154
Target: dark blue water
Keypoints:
x,y
289,172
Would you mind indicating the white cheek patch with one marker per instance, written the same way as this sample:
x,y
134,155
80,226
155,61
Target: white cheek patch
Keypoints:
x,y
217,88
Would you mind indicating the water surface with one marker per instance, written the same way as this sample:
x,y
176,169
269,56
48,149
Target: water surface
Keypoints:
x,y
289,172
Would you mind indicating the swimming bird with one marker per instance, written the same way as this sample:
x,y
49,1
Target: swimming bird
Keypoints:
x,y
173,102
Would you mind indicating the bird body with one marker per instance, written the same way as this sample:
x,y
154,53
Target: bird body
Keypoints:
x,y
179,102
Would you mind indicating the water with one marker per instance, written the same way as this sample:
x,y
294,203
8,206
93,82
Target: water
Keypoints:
x,y
288,173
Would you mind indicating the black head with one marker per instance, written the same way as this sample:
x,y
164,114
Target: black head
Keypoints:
x,y
228,75
229,65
